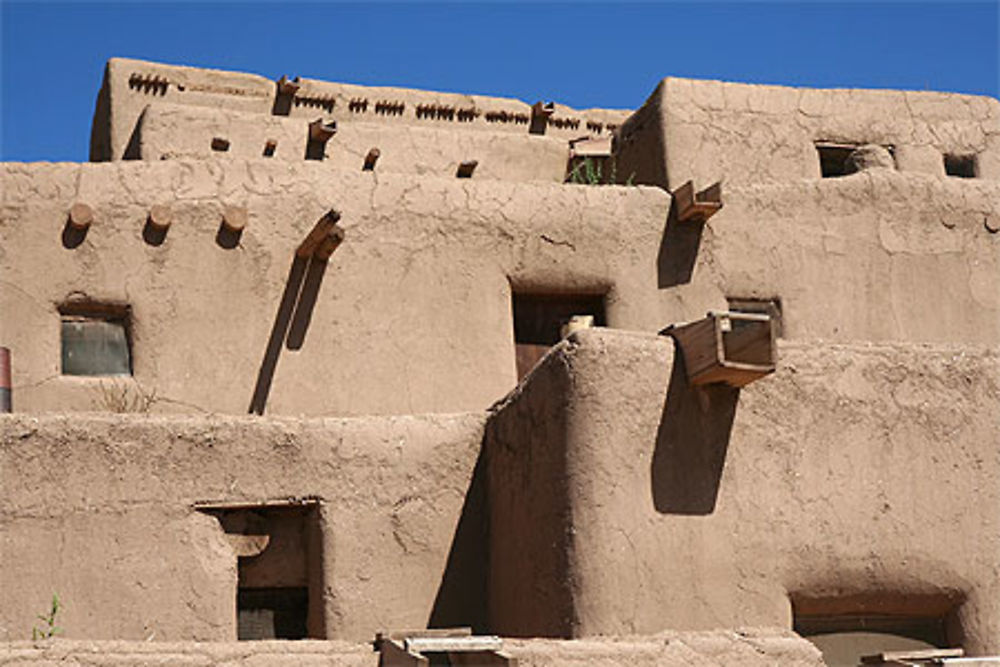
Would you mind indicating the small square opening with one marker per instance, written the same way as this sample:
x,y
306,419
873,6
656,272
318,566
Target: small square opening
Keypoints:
x,y
279,590
844,640
539,320
833,159
847,629
960,166
95,339
769,307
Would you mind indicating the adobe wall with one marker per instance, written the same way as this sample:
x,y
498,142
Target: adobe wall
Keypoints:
x,y
171,131
99,509
406,117
411,314
749,647
842,482
739,133
418,297
875,256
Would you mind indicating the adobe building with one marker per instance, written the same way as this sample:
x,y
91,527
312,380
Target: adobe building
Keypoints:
x,y
303,360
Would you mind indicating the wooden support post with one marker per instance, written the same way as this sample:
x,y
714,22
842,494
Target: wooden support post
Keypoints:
x,y
160,217
324,235
330,243
321,130
80,216
697,207
234,218
288,86
540,114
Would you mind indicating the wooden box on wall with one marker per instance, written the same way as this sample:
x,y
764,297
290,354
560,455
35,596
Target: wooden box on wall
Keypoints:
x,y
734,348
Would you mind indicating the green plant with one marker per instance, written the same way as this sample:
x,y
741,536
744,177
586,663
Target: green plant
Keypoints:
x,y
588,172
48,629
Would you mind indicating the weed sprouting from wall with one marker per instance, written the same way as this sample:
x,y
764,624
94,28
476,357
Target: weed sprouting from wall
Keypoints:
x,y
588,171
123,397
48,630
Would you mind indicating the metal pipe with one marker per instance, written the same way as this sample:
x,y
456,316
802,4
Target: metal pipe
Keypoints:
x,y
5,385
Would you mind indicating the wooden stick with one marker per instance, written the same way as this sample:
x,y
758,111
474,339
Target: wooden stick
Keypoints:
x,y
318,234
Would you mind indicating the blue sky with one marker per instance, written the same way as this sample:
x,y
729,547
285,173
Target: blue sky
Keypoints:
x,y
581,54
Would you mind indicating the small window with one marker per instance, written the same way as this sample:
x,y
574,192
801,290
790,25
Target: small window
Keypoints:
x,y
95,339
833,159
960,166
770,307
844,640
540,318
847,628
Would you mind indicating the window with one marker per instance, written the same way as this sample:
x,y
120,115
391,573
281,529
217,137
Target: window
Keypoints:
x,y
846,629
833,158
842,159
960,166
279,591
95,339
539,320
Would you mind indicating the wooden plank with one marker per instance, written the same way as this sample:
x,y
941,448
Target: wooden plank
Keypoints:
x,y
449,644
424,632
917,655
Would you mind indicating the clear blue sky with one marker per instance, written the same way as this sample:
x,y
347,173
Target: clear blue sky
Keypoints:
x,y
607,54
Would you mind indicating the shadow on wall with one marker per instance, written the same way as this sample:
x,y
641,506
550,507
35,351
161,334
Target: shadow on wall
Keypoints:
x,y
461,597
691,443
678,250
292,320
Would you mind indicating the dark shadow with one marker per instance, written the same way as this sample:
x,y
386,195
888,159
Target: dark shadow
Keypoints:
x,y
691,443
678,250
71,236
282,105
305,304
281,321
315,150
153,235
461,597
133,150
228,238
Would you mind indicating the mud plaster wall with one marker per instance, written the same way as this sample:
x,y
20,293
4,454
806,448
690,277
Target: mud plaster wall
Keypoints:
x,y
130,85
99,510
848,472
171,131
412,313
740,133
877,256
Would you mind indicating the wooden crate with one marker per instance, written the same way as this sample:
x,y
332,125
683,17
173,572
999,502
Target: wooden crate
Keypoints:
x,y
734,348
